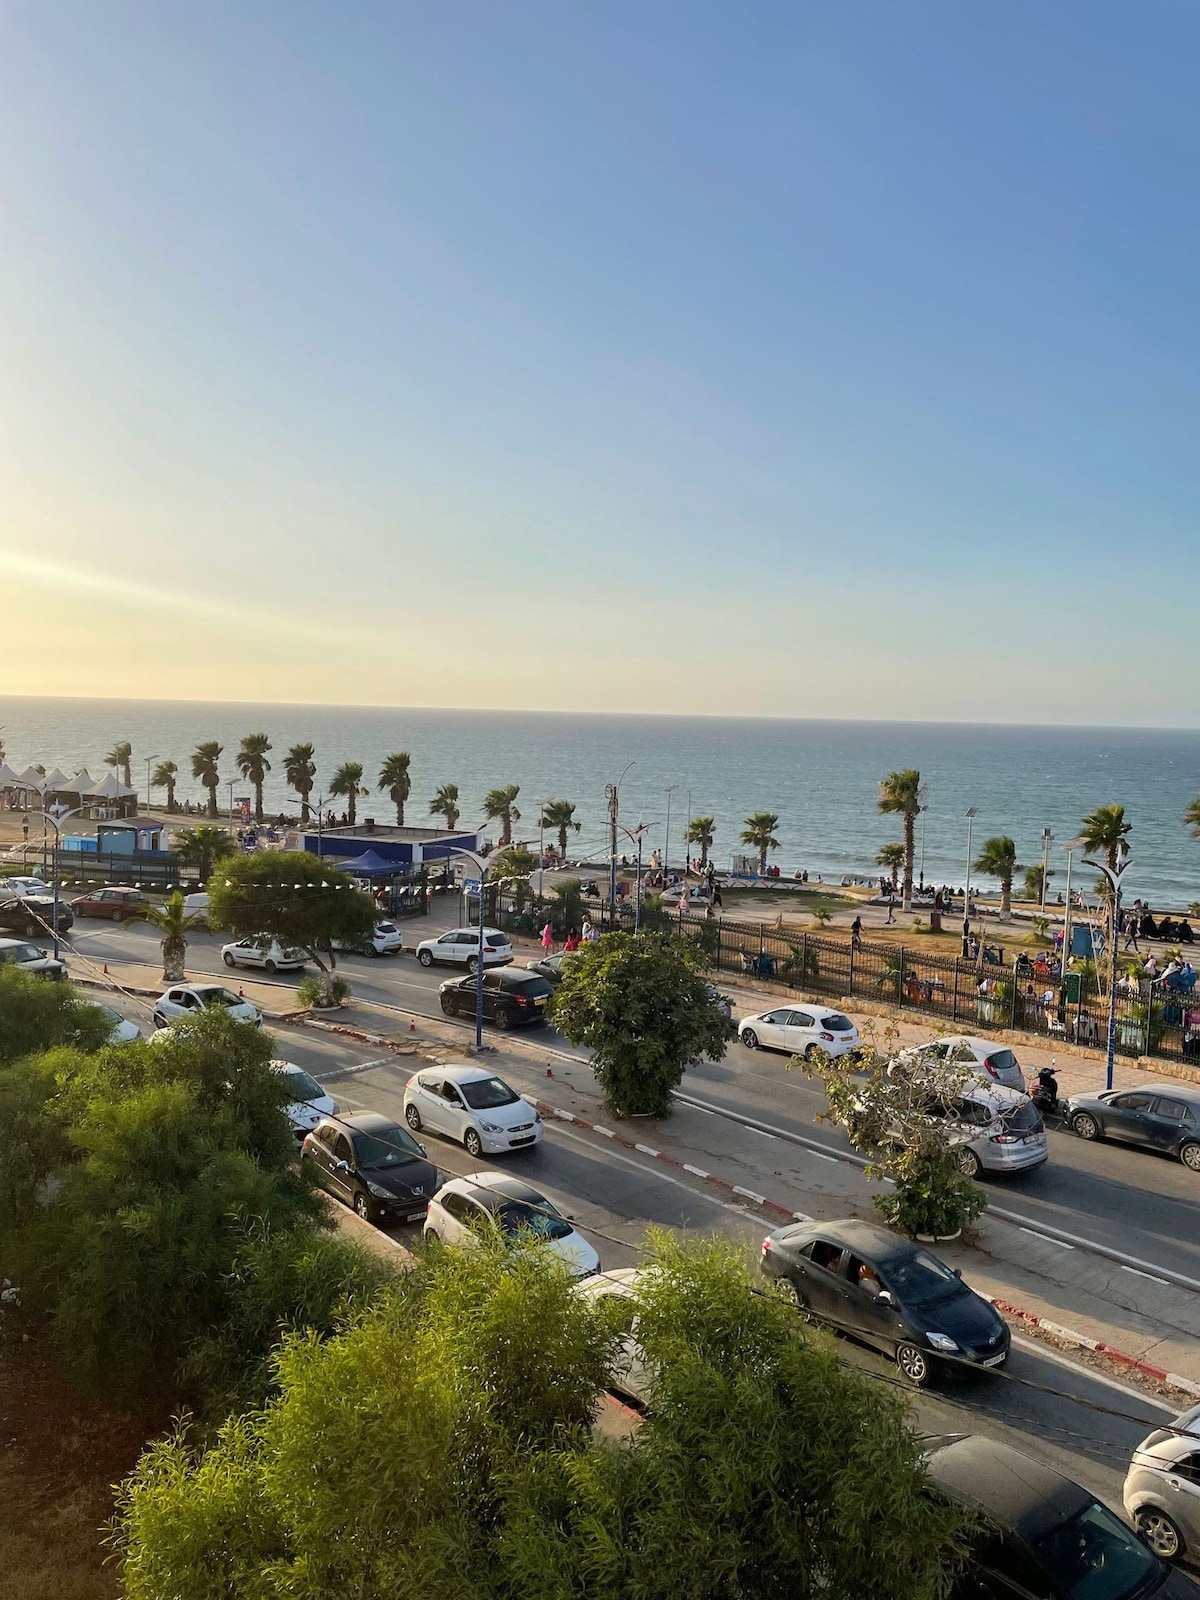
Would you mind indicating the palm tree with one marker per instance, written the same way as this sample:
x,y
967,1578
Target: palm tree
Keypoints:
x,y
164,777
498,805
201,848
394,780
560,815
998,859
900,793
204,767
759,831
891,856
254,766
120,757
1191,816
299,768
173,922
445,804
1105,829
700,830
347,781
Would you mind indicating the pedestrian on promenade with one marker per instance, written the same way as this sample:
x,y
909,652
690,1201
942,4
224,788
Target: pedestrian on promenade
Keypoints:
x,y
572,941
891,916
1131,933
547,938
716,894
856,933
590,932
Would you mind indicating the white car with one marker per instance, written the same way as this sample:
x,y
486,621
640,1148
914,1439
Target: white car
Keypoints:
x,y
385,940
801,1030
464,1206
473,1107
460,947
311,1103
26,886
196,905
632,1375
189,1000
995,1063
123,1031
270,955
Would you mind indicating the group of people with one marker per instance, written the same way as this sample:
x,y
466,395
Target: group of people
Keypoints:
x,y
1138,923
588,935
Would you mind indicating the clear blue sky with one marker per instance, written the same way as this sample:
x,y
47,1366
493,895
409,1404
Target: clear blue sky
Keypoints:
x,y
778,359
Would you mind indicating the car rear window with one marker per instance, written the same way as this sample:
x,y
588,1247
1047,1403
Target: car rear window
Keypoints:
x,y
496,941
530,986
1002,1061
836,1023
385,927
1024,1118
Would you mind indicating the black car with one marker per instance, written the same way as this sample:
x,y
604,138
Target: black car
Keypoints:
x,y
373,1164
33,914
30,958
1161,1116
1041,1536
512,998
887,1292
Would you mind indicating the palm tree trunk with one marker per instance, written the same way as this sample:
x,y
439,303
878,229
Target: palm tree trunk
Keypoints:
x,y
258,814
506,835
762,861
562,842
173,953
351,810
171,797
304,793
1006,899
910,846
703,855
399,813
212,800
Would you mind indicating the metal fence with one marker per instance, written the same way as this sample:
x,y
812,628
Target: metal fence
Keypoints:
x,y
1020,994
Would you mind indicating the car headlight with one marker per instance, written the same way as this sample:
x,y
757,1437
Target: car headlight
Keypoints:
x,y
942,1341
379,1191
491,1127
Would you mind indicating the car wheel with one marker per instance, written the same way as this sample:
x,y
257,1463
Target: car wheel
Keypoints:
x,y
1190,1156
472,1144
968,1163
503,1020
425,957
1159,1532
116,916
448,1006
1085,1126
472,965
750,1038
270,967
790,1294
371,952
913,1364
228,959
812,1051
362,1206
413,1117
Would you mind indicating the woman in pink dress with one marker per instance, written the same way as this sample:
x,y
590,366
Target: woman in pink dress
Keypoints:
x,y
547,938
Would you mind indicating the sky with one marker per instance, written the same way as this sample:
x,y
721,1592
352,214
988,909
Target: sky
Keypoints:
x,y
782,359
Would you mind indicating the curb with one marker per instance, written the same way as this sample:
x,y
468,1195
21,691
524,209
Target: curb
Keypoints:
x,y
1084,1341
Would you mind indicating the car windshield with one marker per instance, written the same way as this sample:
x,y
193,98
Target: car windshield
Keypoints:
x,y
1094,1556
836,1023
515,1216
487,1092
300,1086
921,1279
392,1148
219,997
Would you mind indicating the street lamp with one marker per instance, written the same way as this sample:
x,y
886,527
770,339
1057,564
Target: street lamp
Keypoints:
x,y
1047,841
482,871
613,795
1114,876
667,839
56,823
635,836
1075,844
972,813
148,760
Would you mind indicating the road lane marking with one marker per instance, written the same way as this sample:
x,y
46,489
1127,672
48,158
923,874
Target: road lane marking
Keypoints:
x,y
759,1199
696,1171
646,1150
662,1177
1047,1239
1133,1271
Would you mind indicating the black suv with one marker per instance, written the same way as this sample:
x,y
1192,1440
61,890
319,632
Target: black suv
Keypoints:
x,y
19,953
511,998
374,1165
32,914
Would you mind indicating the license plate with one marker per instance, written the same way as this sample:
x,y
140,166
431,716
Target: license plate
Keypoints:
x,y
415,1216
994,1361
540,1000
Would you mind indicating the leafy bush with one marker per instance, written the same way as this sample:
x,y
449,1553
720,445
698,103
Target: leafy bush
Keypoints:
x,y
36,1015
322,991
930,1195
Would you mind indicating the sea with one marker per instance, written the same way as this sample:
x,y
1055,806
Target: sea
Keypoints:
x,y
820,777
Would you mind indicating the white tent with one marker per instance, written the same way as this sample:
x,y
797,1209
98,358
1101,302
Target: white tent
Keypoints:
x,y
31,778
109,788
59,780
80,783
8,778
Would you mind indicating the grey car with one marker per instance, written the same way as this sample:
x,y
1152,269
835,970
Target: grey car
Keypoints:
x,y
1162,1487
992,1062
30,958
994,1129
1160,1116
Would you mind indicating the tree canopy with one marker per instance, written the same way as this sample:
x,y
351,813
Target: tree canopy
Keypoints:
x,y
290,896
900,795
998,859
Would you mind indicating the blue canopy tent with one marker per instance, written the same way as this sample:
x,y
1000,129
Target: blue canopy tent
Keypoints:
x,y
369,865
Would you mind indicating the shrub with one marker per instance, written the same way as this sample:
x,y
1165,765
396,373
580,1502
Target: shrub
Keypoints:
x,y
322,991
930,1195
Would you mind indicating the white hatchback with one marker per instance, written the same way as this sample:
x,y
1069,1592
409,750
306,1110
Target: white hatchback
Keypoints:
x,y
465,1207
189,1000
473,1107
311,1102
460,947
800,1030
268,954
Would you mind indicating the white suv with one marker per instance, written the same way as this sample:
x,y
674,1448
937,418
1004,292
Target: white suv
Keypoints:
x,y
473,1107
460,947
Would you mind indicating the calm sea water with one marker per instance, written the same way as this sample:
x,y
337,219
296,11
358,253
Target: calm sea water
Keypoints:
x,y
821,777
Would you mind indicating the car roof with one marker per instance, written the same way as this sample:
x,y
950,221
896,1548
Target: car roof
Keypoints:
x,y
514,977
373,1122
869,1237
1007,1485
1177,1091
492,1188
996,1095
462,1073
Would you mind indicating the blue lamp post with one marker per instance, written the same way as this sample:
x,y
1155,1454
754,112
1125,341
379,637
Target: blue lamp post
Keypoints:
x,y
1114,876
482,871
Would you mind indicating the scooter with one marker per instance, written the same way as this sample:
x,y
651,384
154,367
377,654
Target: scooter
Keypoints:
x,y
1043,1091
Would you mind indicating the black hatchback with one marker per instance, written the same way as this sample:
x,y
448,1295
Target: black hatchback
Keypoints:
x,y
887,1292
512,998
372,1164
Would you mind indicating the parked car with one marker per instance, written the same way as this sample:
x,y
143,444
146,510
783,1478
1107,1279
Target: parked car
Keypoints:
x,y
188,1000
473,1107
310,1102
510,999
464,1207
549,967
632,1375
800,1031
461,947
33,914
994,1129
373,1165
1039,1533
113,905
22,886
886,1292
123,1031
1162,1487
721,1001
995,1062
270,955
384,940
196,905
1160,1116
30,958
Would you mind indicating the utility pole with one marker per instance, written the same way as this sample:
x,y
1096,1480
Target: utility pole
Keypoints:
x,y
667,840
1114,876
1047,841
972,813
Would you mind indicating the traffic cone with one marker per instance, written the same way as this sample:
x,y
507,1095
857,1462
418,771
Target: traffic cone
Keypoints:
x,y
106,969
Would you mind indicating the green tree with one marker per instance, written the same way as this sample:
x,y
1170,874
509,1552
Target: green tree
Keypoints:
x,y
758,831
347,782
254,766
164,777
518,861
289,896
900,795
201,848
396,782
891,856
998,859
174,923
445,804
560,816
300,768
1105,832
644,1009
36,1015
499,805
205,768
1031,885
1191,816
701,830
121,757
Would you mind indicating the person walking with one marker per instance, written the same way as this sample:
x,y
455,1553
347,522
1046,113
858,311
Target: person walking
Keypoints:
x,y
1131,933
856,933
547,938
891,916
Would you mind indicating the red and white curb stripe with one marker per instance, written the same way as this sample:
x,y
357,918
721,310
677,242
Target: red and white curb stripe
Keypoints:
x,y
1084,1341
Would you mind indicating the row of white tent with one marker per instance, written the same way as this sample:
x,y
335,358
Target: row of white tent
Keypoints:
x,y
82,784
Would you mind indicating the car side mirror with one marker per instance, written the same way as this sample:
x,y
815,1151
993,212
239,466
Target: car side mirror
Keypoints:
x,y
422,1148
957,1271
884,1297
341,1166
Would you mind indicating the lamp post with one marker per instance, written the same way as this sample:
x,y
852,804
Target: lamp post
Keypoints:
x,y
1114,876
482,871
924,809
148,760
320,815
56,823
667,839
1047,841
635,836
613,795
972,813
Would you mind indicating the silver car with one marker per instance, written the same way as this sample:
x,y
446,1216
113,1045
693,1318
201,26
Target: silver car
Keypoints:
x,y
995,1063
1162,1487
1001,1129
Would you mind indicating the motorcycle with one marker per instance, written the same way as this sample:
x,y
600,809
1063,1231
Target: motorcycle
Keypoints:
x,y
1043,1091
